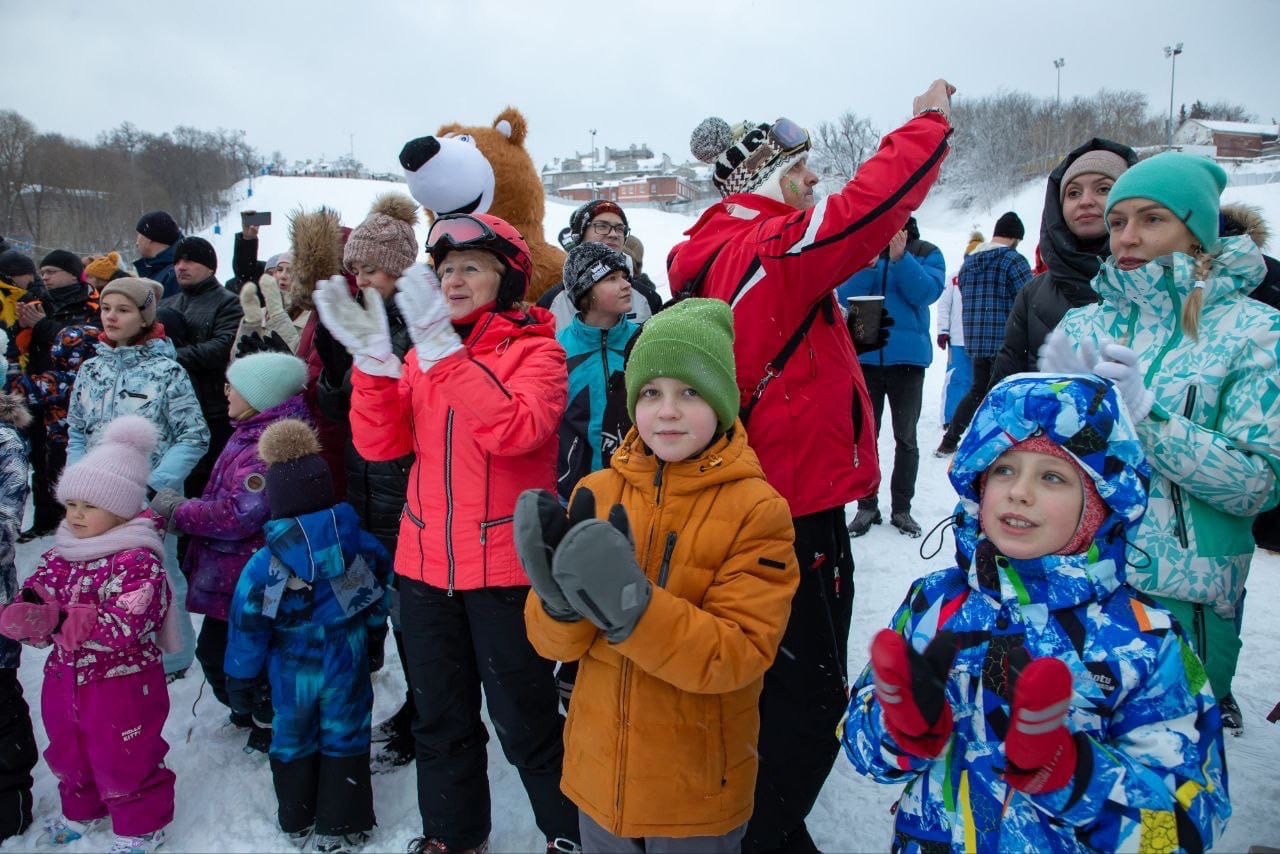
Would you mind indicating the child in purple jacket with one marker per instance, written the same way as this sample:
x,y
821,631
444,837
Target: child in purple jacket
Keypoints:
x,y
225,523
100,595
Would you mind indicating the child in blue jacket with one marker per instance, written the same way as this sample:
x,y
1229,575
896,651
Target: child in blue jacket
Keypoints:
x,y
302,610
1029,698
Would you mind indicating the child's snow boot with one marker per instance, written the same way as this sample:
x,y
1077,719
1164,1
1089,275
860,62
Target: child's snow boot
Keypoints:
x,y
144,844
340,843
64,831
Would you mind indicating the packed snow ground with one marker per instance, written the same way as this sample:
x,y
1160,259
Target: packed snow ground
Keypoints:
x,y
225,800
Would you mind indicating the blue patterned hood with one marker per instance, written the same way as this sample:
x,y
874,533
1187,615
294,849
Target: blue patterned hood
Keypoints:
x,y
310,549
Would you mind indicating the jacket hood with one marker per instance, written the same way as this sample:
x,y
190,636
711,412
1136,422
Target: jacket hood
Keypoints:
x,y
1238,218
316,239
1073,263
718,225
294,407
728,458
1083,415
13,409
1238,265
311,545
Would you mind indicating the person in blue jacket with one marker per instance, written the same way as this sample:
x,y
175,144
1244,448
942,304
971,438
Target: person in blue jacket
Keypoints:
x,y
302,611
910,275
1029,697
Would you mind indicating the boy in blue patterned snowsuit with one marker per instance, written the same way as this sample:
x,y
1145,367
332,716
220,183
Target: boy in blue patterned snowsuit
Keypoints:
x,y
1029,698
303,609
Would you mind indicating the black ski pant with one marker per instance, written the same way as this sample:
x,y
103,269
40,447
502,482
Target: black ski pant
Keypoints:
x,y
969,404
334,793
457,644
806,690
211,652
48,459
18,756
903,385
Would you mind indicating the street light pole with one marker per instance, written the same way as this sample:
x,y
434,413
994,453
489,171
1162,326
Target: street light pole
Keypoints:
x,y
1058,63
1171,53
593,162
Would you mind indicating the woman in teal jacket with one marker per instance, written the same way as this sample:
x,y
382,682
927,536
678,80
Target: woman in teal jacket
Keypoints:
x,y
1196,361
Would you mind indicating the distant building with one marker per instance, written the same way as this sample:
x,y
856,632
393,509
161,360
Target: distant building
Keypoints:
x,y
1228,139
631,175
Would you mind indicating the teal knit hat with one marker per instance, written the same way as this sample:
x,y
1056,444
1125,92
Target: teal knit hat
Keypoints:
x,y
692,342
1187,184
268,379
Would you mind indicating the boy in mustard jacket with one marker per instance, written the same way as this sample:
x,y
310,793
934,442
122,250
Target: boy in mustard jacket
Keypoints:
x,y
671,582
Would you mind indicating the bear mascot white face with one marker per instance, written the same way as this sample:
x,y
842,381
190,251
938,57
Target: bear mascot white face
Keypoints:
x,y
485,169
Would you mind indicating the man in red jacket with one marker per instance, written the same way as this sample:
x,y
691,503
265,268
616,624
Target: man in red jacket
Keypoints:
x,y
775,256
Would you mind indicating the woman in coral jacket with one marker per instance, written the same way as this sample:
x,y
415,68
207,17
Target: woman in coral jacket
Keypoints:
x,y
478,401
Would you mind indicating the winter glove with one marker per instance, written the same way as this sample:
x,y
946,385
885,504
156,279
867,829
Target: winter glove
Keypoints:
x,y
334,358
78,620
596,568
423,307
1039,750
1058,355
251,304
911,688
1120,365
882,339
943,340
251,697
32,617
363,330
166,502
540,525
271,296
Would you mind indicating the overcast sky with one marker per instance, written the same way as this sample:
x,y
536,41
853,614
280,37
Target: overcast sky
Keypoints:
x,y
304,77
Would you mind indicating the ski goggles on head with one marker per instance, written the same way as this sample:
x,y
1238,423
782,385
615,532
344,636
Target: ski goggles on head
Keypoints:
x,y
789,136
454,231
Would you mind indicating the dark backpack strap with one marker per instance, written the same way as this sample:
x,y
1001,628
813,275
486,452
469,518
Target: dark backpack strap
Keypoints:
x,y
778,362
694,286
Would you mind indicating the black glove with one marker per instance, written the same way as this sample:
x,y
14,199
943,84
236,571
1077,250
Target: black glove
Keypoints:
x,y
540,524
334,357
255,342
596,568
883,338
251,697
944,339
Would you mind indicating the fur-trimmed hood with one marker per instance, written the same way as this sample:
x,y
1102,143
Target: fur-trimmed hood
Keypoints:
x,y
13,410
1238,218
316,238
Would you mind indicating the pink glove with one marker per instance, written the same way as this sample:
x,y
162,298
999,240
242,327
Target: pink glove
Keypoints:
x,y
77,625
32,617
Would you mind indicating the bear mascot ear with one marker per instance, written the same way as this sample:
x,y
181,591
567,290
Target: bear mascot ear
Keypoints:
x,y
511,124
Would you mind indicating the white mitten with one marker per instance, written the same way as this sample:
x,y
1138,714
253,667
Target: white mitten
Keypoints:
x,y
363,330
1120,365
250,304
1059,355
423,306
271,294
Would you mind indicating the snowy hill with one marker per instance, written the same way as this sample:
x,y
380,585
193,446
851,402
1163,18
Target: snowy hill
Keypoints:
x,y
225,800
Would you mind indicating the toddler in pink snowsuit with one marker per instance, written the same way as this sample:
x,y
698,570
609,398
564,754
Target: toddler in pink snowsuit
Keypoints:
x,y
100,595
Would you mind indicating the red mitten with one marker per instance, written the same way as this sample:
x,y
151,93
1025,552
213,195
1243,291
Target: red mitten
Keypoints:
x,y
911,688
77,624
1039,749
32,617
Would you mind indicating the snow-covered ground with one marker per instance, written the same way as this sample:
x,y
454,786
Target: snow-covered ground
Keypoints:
x,y
225,800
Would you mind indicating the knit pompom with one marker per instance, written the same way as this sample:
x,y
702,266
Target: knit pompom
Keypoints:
x,y
286,440
710,139
132,430
397,206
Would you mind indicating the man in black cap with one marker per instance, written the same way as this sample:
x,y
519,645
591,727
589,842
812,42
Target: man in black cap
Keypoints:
x,y
157,235
212,315
64,333
989,282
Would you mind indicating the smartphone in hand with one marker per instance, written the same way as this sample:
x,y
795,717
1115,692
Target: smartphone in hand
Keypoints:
x,y
255,218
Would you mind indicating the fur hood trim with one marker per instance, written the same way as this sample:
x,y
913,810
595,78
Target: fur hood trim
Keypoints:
x,y
13,410
316,239
1246,219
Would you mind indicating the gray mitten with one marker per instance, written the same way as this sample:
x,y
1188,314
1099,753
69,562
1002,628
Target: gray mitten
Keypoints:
x,y
540,524
166,501
596,568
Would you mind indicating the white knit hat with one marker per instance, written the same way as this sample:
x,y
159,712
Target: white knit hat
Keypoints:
x,y
113,475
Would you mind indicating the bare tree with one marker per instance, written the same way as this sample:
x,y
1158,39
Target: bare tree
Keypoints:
x,y
1222,111
839,147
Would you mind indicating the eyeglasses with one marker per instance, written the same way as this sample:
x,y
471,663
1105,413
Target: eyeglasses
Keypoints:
x,y
604,229
789,136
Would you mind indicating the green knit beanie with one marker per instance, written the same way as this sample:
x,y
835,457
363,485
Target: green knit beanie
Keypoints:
x,y
1187,184
692,342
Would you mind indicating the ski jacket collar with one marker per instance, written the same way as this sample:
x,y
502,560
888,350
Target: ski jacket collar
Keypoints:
x,y
1160,286
727,459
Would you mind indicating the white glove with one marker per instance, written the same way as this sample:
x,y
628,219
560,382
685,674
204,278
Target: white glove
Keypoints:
x,y
1120,365
271,294
363,330
1058,355
250,304
423,306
